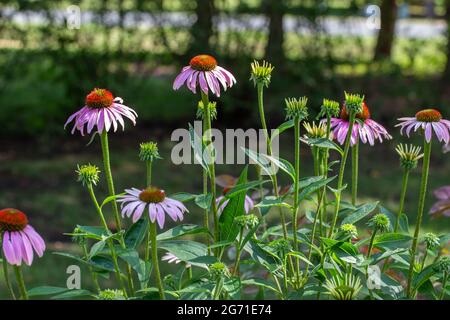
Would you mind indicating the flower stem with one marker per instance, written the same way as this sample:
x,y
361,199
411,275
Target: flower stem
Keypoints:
x,y
212,170
402,198
296,182
109,242
20,282
355,165
6,275
238,253
422,195
91,270
274,179
205,193
341,171
149,183
444,284
112,192
155,261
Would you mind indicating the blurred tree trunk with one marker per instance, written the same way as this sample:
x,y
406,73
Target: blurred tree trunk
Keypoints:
x,y
447,16
274,50
386,34
202,29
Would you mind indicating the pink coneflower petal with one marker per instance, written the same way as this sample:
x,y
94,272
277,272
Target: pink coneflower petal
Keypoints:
x,y
430,120
442,193
35,239
8,250
27,251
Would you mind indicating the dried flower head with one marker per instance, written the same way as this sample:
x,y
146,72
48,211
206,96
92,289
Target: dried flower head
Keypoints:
x,y
110,294
343,287
432,241
329,108
315,131
148,151
246,221
409,155
349,230
354,102
88,174
212,110
261,72
296,108
380,222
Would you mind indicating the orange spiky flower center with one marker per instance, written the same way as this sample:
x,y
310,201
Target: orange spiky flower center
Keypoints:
x,y
152,195
203,62
429,115
99,98
364,115
12,220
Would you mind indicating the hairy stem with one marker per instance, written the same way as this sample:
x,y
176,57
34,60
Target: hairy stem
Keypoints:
x,y
355,165
402,198
155,260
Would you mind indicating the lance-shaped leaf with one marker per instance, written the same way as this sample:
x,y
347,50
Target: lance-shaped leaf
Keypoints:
x,y
360,212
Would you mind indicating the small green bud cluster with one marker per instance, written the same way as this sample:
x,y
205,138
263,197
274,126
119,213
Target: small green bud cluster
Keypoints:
x,y
329,108
296,108
261,73
88,174
409,155
212,106
354,103
380,222
148,151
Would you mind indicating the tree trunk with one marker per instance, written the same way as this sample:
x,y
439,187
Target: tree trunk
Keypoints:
x,y
202,29
447,16
386,33
274,49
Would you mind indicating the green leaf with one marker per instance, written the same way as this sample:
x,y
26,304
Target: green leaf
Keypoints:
x,y
70,294
272,201
204,201
181,230
198,147
233,287
260,283
110,199
234,208
391,240
361,212
324,143
183,196
45,291
184,250
243,188
96,248
136,234
420,278
313,187
93,232
268,163
262,256
281,128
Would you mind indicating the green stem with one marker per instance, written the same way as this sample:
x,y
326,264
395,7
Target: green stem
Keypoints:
x,y
341,171
212,170
296,182
112,192
6,275
238,253
369,253
261,197
274,179
110,244
20,282
205,193
91,270
444,284
218,289
355,165
402,198
149,183
422,195
155,261
425,255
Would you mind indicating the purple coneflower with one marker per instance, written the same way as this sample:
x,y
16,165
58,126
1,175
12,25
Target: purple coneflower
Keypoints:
x,y
368,131
442,206
429,120
20,240
203,70
135,201
222,202
103,111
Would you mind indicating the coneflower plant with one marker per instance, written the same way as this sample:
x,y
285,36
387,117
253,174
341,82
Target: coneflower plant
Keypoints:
x,y
429,121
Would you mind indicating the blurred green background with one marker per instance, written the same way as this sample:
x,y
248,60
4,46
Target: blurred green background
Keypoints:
x,y
135,48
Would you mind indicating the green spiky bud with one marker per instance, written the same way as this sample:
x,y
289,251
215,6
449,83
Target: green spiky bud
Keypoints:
x,y
218,270
329,108
349,230
442,265
296,108
110,294
261,72
246,221
212,110
88,174
409,155
354,103
148,151
315,131
380,222
431,240
343,287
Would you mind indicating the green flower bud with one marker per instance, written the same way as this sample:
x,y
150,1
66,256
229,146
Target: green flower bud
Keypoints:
x,y
409,155
88,174
296,108
329,108
349,230
218,270
261,73
247,221
212,110
442,265
354,103
110,294
380,222
343,287
148,151
432,241
315,131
